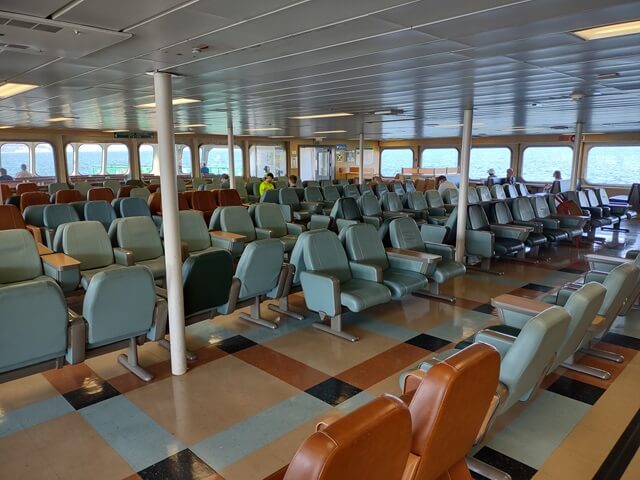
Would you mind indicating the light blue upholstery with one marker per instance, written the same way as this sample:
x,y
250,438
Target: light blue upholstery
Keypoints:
x,y
351,191
313,194
301,211
573,226
194,233
268,216
181,185
498,193
472,196
484,194
365,188
523,213
114,185
450,196
19,259
134,207
100,211
392,204
34,215
140,236
55,187
510,191
83,188
330,193
54,216
140,192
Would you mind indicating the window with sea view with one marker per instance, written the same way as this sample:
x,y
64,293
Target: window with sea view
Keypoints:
x,y
539,163
484,158
439,157
393,160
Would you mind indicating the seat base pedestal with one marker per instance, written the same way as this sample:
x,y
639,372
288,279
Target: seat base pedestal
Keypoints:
x,y
130,362
255,316
164,343
434,292
485,267
587,370
596,352
335,328
283,309
486,470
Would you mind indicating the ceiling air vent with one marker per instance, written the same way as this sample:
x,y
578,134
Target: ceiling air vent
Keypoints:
x,y
17,47
47,28
21,24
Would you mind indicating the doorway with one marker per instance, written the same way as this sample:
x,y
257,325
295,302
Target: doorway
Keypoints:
x,y
317,162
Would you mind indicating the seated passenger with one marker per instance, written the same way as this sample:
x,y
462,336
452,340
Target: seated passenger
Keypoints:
x,y
4,176
557,176
510,179
442,184
293,181
204,170
267,183
23,173
224,181
491,179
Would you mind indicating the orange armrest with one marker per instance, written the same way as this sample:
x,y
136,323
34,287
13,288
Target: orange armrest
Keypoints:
x,y
60,261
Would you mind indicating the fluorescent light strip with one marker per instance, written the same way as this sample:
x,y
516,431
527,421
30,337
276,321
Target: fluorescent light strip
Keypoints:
x,y
114,131
281,136
195,125
608,31
265,129
331,131
175,101
3,127
60,119
322,115
9,89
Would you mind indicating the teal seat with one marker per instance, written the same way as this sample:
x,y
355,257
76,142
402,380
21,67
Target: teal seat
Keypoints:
x,y
269,217
134,207
331,194
331,282
181,185
140,192
510,191
113,185
100,211
572,225
261,272
523,214
351,191
501,215
33,318
498,193
417,205
56,187
451,196
206,281
194,234
313,196
508,240
83,188
139,236
120,307
606,264
438,212
365,188
392,206
472,196
196,183
34,215
484,194
301,211
236,220
53,217
402,276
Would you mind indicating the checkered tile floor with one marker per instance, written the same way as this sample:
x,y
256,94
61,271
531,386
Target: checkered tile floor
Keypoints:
x,y
255,394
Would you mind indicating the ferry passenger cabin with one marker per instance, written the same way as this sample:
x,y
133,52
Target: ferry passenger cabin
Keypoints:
x,y
304,240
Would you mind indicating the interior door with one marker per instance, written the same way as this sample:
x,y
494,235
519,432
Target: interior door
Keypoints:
x,y
324,163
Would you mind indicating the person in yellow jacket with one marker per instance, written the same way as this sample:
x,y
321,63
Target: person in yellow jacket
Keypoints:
x,y
267,183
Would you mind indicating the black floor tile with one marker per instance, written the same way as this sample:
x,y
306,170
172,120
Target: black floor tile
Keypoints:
x,y
577,390
577,271
428,342
94,392
622,340
484,308
517,470
184,465
235,344
537,287
333,391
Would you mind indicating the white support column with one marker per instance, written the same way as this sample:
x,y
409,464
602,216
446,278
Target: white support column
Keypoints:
x,y
465,153
103,165
170,220
231,146
361,159
577,152
32,157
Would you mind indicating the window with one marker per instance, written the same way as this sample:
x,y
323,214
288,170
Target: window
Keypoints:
x,y
90,159
267,158
117,159
183,157
147,153
68,153
439,158
45,165
393,160
216,158
484,158
12,155
613,165
539,163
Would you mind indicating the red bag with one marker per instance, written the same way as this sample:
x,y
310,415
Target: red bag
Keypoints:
x,y
567,207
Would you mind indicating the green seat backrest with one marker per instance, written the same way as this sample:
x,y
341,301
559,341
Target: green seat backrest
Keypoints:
x,y
140,236
522,210
434,199
510,191
288,196
416,201
362,244
134,207
313,194
193,230
472,196
583,306
83,188
409,186
391,202
541,207
532,354
404,233
114,185
620,283
236,219
34,215
369,206
19,259
259,267
88,243
53,188
206,280
501,213
56,215
323,253
522,189
296,257
593,199
365,188
484,193
331,193
351,191
100,211
451,196
497,192
140,192
119,304
269,215
477,219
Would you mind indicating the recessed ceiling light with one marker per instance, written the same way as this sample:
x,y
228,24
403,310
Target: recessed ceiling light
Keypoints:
x,y
175,101
193,125
331,131
607,75
114,131
2,127
322,115
455,125
10,89
182,133
608,31
60,119
265,129
281,136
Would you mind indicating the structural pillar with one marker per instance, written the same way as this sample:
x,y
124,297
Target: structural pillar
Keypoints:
x,y
465,154
361,159
231,146
170,220
577,152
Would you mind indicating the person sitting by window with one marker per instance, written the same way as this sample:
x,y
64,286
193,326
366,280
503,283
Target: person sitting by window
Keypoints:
x,y
224,181
204,170
23,173
557,176
293,181
442,184
4,176
267,183
491,179
510,178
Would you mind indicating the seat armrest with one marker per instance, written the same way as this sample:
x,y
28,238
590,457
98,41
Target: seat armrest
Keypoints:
x,y
411,260
312,207
60,262
438,211
595,276
500,341
387,214
375,221
263,233
76,338
513,232
43,250
593,258
228,236
571,221
549,223
433,233
321,292
480,243
366,271
124,257
447,252
294,229
516,311
287,213
537,226
412,381
36,232
319,221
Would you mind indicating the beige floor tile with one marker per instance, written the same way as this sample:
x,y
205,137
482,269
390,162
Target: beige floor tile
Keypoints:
x,y
328,353
210,398
633,470
25,391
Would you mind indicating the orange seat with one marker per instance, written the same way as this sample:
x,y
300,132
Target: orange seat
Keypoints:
x,y
155,203
10,218
229,198
188,195
33,198
153,188
125,191
100,193
183,202
26,188
204,201
6,191
68,196
369,443
448,405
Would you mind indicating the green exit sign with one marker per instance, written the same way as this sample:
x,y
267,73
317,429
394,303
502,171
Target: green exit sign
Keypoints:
x,y
133,135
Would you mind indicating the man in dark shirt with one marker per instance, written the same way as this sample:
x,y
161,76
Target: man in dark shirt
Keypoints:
x,y
4,176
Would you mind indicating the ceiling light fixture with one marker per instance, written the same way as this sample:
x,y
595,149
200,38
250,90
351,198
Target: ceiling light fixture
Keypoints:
x,y
264,129
193,125
9,89
60,119
608,31
281,136
175,101
115,131
330,131
322,115
2,127
607,75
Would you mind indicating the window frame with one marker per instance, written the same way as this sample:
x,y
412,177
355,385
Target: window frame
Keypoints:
x,y
511,158
155,168
523,148
282,145
585,162
408,147
31,158
225,146
106,147
438,147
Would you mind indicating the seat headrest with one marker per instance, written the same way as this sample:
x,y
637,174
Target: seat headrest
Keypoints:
x,y
19,259
33,198
68,196
134,207
100,193
229,197
371,443
10,218
346,208
56,215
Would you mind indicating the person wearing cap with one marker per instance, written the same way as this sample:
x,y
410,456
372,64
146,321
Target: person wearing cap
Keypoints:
x,y
510,179
267,183
491,178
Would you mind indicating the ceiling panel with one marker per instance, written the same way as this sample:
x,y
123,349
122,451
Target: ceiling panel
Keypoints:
x,y
40,8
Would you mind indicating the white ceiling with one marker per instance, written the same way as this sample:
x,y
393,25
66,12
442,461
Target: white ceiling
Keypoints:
x,y
266,60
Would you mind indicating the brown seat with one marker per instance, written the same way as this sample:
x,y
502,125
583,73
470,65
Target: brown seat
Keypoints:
x,y
100,193
448,405
204,201
26,188
33,198
370,443
153,188
6,191
68,196
189,196
125,191
183,202
155,203
10,218
229,198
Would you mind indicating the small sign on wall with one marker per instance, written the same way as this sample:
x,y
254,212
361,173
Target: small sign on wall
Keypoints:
x,y
294,159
